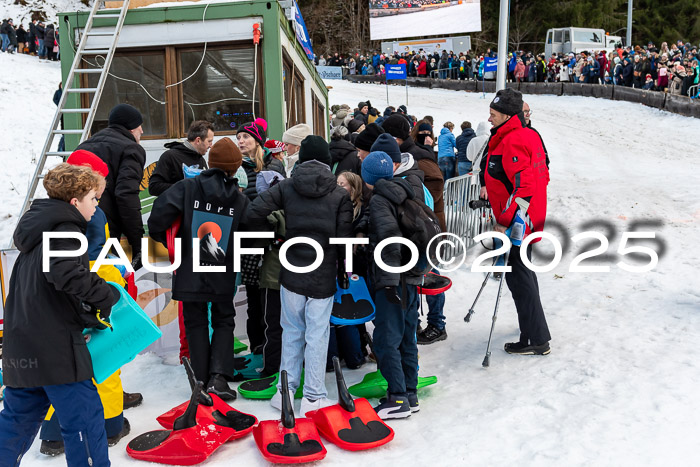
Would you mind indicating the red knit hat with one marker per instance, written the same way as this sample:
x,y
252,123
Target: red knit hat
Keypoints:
x,y
274,146
83,157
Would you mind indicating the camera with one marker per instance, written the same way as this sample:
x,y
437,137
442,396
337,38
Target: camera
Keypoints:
x,y
479,203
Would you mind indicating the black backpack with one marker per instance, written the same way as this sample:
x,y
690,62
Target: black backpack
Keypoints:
x,y
419,224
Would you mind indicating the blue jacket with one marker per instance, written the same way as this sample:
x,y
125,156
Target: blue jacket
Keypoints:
x,y
446,143
462,143
511,64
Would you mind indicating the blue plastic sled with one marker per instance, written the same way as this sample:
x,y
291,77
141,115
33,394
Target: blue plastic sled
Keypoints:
x,y
132,331
353,305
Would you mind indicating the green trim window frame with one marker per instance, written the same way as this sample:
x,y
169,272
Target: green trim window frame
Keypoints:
x,y
293,91
225,73
319,115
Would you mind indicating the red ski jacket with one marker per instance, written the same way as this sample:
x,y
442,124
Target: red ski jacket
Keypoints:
x,y
516,168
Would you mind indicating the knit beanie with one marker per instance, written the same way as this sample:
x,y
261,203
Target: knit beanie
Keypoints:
x,y
126,116
387,144
83,157
366,139
225,155
508,102
274,146
256,130
354,125
425,126
339,117
296,134
397,126
377,165
314,148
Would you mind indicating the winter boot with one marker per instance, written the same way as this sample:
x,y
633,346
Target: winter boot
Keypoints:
x,y
218,385
395,406
52,448
412,401
126,429
431,334
132,399
519,348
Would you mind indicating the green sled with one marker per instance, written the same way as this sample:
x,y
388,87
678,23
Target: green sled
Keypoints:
x,y
265,388
238,346
374,386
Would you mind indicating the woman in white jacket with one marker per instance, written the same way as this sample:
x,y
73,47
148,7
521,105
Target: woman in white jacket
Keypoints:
x,y
478,144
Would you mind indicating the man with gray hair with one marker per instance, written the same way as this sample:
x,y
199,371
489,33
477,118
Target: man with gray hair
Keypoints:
x,y
171,165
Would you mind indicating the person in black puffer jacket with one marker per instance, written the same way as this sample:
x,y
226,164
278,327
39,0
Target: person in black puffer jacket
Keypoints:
x,y
169,169
317,208
396,295
343,153
210,198
118,146
256,158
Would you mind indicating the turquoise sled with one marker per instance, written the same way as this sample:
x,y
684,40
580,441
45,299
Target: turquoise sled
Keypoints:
x,y
132,331
353,305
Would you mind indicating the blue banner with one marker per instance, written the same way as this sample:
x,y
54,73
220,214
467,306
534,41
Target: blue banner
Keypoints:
x,y
301,32
490,64
395,72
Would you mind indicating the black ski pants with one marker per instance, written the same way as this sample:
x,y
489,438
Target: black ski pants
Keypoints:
x,y
522,283
213,356
272,348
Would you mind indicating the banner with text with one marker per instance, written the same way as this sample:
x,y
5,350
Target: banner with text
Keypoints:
x,y
330,72
396,72
397,19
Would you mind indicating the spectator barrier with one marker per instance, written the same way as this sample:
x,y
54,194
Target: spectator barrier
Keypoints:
x,y
463,221
682,105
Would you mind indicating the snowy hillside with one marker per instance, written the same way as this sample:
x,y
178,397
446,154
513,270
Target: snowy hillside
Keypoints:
x,y
21,10
620,386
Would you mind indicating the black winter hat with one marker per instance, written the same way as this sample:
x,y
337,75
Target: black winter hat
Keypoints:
x,y
508,101
255,130
397,126
314,148
366,139
354,125
388,144
125,115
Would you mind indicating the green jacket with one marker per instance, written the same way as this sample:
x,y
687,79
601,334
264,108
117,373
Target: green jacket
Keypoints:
x,y
271,267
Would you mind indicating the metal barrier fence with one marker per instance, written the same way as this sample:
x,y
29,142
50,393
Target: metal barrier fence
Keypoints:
x,y
463,221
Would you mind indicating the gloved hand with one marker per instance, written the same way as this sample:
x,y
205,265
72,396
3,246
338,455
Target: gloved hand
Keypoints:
x,y
95,318
392,295
136,261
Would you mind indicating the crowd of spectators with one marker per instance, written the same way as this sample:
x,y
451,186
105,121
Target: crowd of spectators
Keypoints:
x,y
673,69
38,39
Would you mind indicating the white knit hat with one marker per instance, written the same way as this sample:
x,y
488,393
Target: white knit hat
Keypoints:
x,y
296,134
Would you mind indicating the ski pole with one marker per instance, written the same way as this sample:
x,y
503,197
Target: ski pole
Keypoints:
x,y
487,358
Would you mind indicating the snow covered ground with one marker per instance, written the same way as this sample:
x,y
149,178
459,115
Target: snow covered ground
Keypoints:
x,y
22,12
620,386
446,20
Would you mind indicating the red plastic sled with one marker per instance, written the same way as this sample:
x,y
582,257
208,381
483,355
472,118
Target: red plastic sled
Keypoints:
x,y
211,410
186,444
288,441
434,284
351,424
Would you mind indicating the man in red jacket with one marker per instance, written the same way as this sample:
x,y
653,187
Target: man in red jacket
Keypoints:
x,y
515,167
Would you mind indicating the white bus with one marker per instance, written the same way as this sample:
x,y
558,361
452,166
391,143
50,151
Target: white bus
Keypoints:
x,y
565,40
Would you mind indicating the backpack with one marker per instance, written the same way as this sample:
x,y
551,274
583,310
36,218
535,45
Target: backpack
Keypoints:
x,y
419,224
